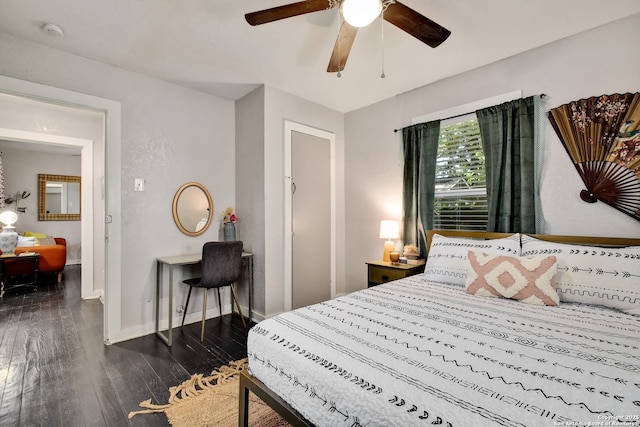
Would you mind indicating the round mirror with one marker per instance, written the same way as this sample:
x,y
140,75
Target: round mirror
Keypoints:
x,y
192,209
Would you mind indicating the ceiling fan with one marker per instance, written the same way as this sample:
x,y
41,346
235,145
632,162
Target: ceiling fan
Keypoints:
x,y
392,11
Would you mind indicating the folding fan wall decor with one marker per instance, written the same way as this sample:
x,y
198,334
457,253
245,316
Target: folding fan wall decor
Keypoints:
x,y
602,137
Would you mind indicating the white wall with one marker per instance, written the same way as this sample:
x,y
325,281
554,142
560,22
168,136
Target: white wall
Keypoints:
x,y
170,135
250,202
592,63
21,169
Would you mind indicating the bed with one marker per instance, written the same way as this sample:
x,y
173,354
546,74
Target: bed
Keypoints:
x,y
424,351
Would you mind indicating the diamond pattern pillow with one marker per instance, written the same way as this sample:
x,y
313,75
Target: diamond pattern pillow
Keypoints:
x,y
528,279
447,258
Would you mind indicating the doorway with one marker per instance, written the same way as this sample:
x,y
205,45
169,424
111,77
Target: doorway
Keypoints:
x,y
310,272
107,241
85,148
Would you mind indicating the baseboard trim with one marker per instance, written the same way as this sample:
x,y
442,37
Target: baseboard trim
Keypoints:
x,y
195,317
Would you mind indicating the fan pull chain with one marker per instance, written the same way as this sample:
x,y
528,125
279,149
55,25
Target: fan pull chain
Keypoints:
x,y
382,75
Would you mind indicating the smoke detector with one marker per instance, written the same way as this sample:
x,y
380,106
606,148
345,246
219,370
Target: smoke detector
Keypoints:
x,y
53,30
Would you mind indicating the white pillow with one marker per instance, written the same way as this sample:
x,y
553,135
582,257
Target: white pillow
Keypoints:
x,y
593,275
447,257
26,241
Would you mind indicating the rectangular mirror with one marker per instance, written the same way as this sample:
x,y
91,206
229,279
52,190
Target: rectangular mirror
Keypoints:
x,y
58,198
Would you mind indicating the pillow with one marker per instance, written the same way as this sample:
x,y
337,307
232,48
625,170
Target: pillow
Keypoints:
x,y
447,257
41,238
36,235
47,240
528,279
593,275
26,241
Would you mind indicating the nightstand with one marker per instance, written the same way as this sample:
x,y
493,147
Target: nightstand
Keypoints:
x,y
380,272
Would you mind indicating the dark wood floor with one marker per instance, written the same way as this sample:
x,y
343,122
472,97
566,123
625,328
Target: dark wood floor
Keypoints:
x,y
56,371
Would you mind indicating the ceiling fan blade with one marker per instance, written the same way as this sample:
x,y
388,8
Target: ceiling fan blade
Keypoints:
x,y
342,48
419,26
287,11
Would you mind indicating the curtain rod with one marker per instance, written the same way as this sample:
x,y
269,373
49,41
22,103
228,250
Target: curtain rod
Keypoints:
x,y
542,95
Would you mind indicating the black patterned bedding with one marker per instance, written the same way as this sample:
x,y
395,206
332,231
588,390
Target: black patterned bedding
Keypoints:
x,y
415,353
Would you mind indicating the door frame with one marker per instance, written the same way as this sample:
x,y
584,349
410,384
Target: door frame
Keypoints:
x,y
112,236
289,128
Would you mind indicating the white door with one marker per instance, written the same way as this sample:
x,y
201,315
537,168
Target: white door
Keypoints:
x,y
310,219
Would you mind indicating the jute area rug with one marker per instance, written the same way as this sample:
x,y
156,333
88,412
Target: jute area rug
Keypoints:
x,y
212,401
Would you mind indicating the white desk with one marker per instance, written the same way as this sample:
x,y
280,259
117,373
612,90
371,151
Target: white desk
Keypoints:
x,y
190,259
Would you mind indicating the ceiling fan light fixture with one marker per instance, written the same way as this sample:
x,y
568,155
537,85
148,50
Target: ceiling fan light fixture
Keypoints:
x,y
355,14
360,13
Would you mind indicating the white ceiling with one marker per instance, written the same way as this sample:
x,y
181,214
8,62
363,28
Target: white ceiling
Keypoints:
x,y
207,45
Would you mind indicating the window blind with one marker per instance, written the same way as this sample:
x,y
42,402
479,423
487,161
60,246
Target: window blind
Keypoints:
x,y
460,191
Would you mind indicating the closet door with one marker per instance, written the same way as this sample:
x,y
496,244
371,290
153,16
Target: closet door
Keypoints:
x,y
311,219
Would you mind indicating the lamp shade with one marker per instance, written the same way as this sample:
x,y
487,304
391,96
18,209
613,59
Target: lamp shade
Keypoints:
x,y
389,229
8,218
360,13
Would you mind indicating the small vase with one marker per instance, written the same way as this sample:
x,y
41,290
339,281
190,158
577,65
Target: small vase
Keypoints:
x,y
229,230
8,240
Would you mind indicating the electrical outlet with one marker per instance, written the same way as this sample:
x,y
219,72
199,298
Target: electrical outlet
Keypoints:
x,y
138,184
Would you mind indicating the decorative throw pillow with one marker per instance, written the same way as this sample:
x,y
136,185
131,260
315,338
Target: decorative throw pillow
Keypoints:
x,y
447,257
36,235
26,241
47,240
528,279
604,276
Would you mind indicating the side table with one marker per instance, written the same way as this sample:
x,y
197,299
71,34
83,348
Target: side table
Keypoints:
x,y
25,257
379,272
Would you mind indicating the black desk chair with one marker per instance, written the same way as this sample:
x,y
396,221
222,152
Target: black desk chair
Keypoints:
x,y
221,266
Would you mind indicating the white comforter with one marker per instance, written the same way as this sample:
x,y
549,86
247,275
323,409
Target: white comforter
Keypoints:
x,y
416,353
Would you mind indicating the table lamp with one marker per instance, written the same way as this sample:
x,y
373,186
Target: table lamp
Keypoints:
x,y
389,230
8,236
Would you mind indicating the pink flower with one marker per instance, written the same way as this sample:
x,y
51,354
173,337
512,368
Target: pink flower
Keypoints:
x,y
229,216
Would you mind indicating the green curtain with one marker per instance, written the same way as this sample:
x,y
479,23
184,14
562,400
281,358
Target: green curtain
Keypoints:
x,y
507,132
2,195
420,148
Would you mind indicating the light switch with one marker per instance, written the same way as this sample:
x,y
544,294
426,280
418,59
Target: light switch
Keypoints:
x,y
138,184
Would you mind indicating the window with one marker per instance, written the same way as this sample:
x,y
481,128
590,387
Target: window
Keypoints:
x,y
460,192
